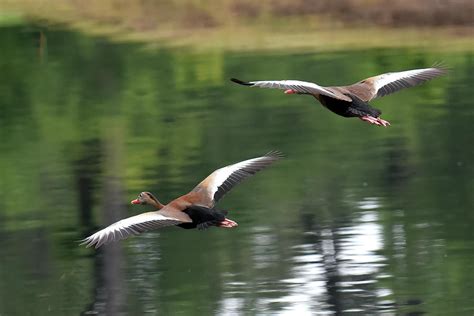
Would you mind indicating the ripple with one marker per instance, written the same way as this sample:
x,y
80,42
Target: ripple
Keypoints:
x,y
369,203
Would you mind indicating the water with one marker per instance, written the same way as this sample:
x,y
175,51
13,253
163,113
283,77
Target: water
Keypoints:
x,y
357,219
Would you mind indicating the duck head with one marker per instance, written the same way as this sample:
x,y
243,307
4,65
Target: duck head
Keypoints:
x,y
146,198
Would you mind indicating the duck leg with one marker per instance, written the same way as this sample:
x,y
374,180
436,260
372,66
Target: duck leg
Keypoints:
x,y
375,120
227,223
383,122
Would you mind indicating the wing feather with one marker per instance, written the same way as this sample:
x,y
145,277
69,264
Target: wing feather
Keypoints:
x,y
224,179
391,82
130,226
296,85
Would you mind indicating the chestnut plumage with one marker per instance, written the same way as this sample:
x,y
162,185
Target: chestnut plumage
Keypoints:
x,y
195,209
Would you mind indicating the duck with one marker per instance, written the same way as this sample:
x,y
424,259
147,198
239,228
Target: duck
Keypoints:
x,y
353,100
195,209
202,217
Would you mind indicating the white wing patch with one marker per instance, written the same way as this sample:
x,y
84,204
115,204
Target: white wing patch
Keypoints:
x,y
299,86
223,174
224,179
391,82
129,226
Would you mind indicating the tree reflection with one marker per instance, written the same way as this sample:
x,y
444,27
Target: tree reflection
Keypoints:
x,y
109,289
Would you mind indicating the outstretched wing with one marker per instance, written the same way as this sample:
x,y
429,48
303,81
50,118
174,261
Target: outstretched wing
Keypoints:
x,y
296,85
221,181
130,226
381,85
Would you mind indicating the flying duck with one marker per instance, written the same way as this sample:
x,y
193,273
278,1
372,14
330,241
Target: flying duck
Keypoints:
x,y
352,101
195,209
202,217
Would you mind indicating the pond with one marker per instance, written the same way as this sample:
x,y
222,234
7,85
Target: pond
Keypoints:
x,y
357,219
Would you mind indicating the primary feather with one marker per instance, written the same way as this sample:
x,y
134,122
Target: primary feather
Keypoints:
x,y
129,226
224,179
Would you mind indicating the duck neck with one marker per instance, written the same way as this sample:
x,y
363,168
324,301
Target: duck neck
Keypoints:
x,y
155,203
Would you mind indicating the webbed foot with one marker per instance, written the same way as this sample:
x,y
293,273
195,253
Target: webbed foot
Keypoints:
x,y
375,120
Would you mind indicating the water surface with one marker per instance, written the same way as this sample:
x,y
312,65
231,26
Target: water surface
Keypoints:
x,y
357,219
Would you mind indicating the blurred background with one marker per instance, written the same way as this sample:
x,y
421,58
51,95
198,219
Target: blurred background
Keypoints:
x,y
102,100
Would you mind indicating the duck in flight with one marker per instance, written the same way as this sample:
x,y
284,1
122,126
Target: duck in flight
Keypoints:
x,y
202,217
195,209
352,101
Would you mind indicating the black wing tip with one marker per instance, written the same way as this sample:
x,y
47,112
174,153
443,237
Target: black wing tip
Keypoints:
x,y
244,83
276,154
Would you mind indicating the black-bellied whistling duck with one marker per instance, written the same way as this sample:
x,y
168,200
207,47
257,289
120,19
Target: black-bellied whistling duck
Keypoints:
x,y
202,217
146,198
195,209
352,101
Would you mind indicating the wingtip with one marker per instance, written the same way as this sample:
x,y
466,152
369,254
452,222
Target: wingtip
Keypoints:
x,y
244,83
83,242
88,243
275,154
441,66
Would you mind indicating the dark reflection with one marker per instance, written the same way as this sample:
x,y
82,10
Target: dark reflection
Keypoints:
x,y
87,174
398,164
333,278
109,290
356,219
109,285
323,242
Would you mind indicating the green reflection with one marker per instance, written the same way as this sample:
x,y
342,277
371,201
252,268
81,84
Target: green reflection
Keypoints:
x,y
82,118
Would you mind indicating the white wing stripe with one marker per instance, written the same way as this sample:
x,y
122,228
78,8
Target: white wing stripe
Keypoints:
x,y
130,226
236,172
221,181
394,81
297,85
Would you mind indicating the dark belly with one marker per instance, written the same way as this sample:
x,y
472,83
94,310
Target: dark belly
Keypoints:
x,y
203,217
356,108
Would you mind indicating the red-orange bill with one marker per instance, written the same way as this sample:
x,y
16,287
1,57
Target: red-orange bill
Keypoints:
x,y
136,201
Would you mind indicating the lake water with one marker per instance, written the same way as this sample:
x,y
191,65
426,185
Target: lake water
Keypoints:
x,y
357,219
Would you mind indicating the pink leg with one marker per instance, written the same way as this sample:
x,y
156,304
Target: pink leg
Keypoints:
x,y
227,223
383,122
374,120
369,119
290,91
